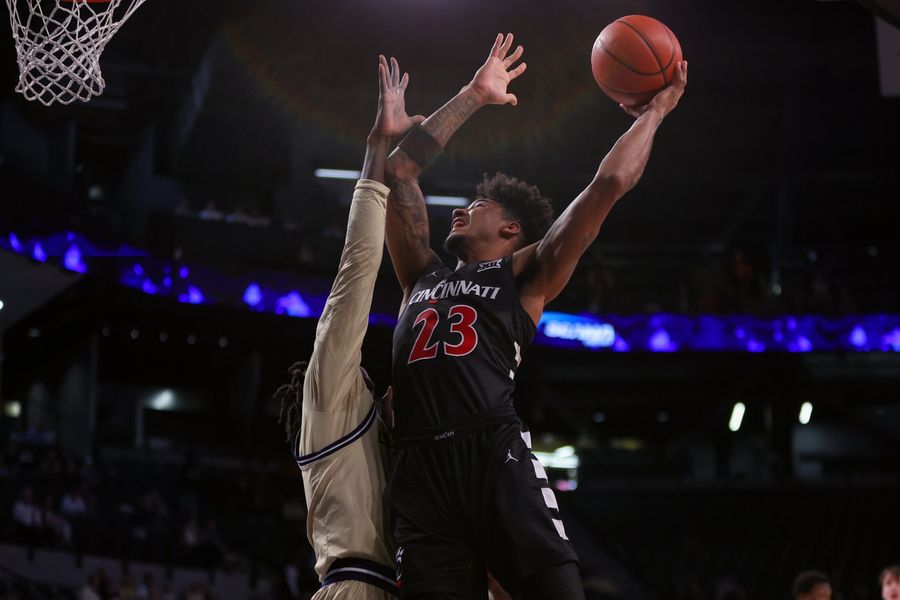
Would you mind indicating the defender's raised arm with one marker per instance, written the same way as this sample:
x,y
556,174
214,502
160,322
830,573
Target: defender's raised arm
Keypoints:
x,y
334,364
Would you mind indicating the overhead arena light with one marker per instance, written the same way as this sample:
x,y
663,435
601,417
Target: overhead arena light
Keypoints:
x,y
336,174
164,400
737,416
457,201
805,413
561,458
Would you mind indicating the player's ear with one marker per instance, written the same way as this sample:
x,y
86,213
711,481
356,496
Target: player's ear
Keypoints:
x,y
510,229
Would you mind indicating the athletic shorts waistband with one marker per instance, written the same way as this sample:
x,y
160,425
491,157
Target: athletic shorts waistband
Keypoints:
x,y
493,416
363,570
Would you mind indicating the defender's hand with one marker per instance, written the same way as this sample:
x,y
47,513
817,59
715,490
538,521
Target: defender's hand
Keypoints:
x,y
391,120
490,81
386,408
667,99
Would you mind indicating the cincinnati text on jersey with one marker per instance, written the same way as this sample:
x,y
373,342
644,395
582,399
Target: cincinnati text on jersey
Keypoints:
x,y
449,289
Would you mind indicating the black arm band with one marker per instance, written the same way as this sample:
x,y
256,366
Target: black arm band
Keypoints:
x,y
421,147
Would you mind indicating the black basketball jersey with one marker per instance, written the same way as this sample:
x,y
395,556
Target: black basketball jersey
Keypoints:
x,y
457,345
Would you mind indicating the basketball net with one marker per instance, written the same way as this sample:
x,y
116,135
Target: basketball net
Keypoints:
x,y
58,45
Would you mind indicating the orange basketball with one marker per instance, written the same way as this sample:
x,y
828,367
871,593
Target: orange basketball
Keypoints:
x,y
634,58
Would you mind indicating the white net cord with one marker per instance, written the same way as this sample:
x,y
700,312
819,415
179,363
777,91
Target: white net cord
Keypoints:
x,y
58,45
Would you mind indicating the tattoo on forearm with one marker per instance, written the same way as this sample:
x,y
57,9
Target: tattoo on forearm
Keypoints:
x,y
409,206
406,201
444,123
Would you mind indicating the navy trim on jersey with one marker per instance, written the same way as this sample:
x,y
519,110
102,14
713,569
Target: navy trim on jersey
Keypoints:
x,y
366,571
334,446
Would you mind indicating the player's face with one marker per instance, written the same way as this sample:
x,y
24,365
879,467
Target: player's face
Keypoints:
x,y
482,220
890,588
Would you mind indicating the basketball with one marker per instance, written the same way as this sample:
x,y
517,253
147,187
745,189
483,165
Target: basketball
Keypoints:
x,y
634,58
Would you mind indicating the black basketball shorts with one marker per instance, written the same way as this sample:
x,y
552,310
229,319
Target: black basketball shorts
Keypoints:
x,y
474,502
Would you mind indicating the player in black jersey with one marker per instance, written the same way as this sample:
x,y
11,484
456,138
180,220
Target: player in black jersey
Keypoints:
x,y
467,492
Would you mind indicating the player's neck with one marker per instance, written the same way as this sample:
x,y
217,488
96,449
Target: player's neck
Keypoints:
x,y
483,253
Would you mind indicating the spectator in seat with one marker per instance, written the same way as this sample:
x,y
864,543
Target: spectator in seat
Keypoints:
x,y
812,585
890,583
28,517
190,538
72,504
91,589
56,523
128,589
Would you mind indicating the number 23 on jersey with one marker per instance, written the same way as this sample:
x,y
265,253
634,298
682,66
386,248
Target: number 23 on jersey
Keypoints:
x,y
461,318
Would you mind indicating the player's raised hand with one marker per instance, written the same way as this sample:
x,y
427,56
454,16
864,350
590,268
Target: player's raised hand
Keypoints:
x,y
491,80
667,99
391,120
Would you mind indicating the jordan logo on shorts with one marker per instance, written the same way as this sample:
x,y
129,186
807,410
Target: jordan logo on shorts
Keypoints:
x,y
509,456
398,558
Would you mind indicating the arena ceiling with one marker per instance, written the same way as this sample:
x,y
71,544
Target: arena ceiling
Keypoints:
x,y
783,102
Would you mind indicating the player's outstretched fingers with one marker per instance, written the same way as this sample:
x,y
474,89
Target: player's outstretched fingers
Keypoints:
x,y
382,71
517,71
495,49
395,72
509,60
507,44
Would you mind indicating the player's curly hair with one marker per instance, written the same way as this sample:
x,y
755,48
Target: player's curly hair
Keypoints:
x,y
521,202
290,395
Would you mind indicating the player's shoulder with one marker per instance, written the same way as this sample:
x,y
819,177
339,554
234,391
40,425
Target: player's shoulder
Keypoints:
x,y
434,270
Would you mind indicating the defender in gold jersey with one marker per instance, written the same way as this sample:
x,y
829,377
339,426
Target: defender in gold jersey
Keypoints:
x,y
329,409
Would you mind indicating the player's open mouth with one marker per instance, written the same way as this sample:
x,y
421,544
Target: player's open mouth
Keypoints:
x,y
457,221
